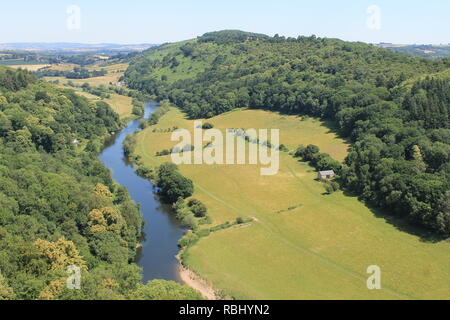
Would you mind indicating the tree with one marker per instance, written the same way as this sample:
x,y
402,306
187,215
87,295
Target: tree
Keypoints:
x,y
42,95
5,124
106,219
6,292
207,126
172,184
331,187
165,290
60,254
420,165
300,151
443,217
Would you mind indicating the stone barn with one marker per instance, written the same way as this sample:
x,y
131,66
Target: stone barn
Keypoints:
x,y
325,175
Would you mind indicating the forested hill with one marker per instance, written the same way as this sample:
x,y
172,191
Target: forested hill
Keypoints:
x,y
394,108
58,205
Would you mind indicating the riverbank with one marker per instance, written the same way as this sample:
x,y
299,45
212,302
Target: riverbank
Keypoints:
x,y
193,280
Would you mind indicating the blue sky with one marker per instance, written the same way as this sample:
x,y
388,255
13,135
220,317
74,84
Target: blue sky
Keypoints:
x,y
150,21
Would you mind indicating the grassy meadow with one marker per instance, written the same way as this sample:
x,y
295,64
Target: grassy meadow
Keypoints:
x,y
115,71
319,250
29,67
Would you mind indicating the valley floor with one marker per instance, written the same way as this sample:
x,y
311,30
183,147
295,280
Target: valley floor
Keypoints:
x,y
319,250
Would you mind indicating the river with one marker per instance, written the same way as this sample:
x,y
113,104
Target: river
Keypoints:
x,y
161,230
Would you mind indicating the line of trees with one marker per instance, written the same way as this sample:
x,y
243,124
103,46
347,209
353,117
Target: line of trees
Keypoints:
x,y
172,184
76,73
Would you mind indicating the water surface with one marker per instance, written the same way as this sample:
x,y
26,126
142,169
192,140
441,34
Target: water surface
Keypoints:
x,y
162,231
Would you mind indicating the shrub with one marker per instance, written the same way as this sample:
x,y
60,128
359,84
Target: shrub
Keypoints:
x,y
188,239
283,148
207,126
331,187
129,145
203,233
198,208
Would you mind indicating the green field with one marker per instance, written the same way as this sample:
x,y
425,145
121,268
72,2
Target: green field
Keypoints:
x,y
115,71
321,249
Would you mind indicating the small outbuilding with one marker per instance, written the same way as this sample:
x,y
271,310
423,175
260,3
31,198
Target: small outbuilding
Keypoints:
x,y
325,175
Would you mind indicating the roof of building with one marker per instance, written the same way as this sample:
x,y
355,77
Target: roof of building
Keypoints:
x,y
326,173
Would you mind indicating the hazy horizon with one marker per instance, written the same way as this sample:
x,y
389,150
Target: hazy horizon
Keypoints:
x,y
152,43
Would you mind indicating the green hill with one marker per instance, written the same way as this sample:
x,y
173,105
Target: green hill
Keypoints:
x,y
396,117
424,51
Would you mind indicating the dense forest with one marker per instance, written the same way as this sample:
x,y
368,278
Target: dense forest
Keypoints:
x,y
395,109
59,206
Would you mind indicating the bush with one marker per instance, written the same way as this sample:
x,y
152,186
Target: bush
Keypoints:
x,y
222,226
331,187
198,208
143,124
207,126
163,153
189,221
129,145
300,151
144,172
188,239
239,220
203,233
138,108
242,220
283,148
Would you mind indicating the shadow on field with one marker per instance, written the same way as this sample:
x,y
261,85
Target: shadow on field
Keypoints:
x,y
403,224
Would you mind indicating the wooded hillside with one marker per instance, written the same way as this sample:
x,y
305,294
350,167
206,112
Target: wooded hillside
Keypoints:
x,y
58,205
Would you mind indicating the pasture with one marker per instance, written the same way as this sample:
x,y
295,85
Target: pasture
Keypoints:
x,y
29,67
115,71
321,249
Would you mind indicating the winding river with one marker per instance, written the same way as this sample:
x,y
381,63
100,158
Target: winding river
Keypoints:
x,y
162,232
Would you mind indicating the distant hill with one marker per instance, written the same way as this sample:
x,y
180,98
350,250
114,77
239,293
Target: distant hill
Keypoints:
x,y
66,48
424,51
